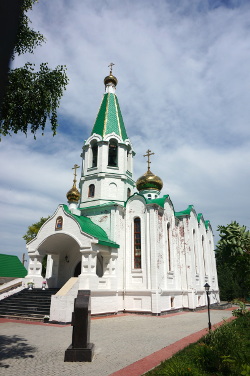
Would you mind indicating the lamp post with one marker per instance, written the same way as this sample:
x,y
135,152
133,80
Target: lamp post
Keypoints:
x,y
207,287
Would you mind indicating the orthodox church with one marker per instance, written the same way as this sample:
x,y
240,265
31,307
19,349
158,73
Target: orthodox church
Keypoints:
x,y
119,238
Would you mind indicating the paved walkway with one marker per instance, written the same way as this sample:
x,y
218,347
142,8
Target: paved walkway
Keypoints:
x,y
125,345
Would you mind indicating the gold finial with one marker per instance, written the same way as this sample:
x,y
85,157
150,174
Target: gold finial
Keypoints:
x,y
73,194
148,153
74,168
111,67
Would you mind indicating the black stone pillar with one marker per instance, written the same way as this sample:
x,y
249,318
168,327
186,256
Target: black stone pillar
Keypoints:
x,y
80,350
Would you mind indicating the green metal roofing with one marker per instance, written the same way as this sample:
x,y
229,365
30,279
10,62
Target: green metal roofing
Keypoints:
x,y
109,118
110,203
159,201
92,229
207,223
184,212
11,266
198,216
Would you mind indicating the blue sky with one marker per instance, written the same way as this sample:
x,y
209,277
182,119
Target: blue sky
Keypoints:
x,y
184,79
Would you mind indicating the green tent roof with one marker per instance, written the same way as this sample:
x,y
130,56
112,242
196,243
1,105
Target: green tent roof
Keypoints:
x,y
109,118
11,266
92,229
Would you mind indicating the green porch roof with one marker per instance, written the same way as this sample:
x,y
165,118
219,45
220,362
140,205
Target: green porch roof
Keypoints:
x,y
109,118
11,266
92,229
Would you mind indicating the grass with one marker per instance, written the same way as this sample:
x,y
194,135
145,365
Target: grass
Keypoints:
x,y
225,351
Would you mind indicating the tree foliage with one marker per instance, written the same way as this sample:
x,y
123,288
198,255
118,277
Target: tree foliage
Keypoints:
x,y
234,240
32,96
233,261
33,229
27,39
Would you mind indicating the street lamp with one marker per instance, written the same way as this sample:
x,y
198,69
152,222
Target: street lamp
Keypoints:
x,y
207,287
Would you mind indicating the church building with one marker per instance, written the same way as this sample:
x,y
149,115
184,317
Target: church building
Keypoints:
x,y
120,238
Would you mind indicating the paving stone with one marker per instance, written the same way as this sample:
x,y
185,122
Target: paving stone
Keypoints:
x,y
32,350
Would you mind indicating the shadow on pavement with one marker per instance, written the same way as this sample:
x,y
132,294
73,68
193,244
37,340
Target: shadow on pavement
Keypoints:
x,y
14,347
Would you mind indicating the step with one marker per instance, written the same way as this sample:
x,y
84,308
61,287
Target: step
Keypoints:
x,y
19,317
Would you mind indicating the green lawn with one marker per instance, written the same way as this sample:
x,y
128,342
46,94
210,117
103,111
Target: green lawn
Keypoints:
x,y
225,351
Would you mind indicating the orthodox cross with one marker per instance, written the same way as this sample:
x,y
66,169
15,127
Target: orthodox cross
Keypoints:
x,y
148,153
74,168
111,67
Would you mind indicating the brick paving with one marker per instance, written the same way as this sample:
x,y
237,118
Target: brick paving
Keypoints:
x,y
124,344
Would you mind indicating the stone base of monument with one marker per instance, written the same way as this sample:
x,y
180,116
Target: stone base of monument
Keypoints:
x,y
79,355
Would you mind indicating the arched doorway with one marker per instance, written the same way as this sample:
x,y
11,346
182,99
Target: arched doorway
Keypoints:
x,y
78,269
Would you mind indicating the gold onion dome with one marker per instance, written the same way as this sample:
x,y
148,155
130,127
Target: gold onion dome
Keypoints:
x,y
73,194
110,79
149,181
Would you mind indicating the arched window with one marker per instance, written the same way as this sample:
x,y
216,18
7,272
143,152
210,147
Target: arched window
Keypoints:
x,y
91,190
113,153
195,255
94,148
169,249
203,251
129,158
137,243
149,196
128,192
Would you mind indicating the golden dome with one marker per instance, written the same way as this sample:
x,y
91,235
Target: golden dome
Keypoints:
x,y
111,79
73,194
149,181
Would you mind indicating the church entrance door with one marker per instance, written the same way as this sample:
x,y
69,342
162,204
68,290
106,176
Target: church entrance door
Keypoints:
x,y
78,269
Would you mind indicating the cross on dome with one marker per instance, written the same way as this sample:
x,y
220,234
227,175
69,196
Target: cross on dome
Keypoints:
x,y
74,168
111,67
148,154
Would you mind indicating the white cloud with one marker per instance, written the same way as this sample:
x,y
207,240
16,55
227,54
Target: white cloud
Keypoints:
x,y
183,72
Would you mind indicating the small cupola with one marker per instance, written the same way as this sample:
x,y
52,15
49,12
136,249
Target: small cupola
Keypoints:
x,y
110,81
149,184
73,194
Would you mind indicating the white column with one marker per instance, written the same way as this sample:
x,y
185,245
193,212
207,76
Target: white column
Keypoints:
x,y
52,270
88,279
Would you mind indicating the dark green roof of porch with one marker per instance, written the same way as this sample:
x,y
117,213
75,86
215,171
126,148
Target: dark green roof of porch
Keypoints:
x,y
92,229
11,266
109,118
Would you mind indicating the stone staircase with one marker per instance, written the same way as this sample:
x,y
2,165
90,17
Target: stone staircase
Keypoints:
x,y
27,304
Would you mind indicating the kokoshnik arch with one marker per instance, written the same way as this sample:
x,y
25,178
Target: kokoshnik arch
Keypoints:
x,y
119,238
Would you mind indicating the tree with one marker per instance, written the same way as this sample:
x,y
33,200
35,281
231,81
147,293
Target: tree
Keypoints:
x,y
33,229
32,96
234,239
233,261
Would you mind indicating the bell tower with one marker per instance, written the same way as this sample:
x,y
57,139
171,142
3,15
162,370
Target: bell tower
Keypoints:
x,y
107,166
